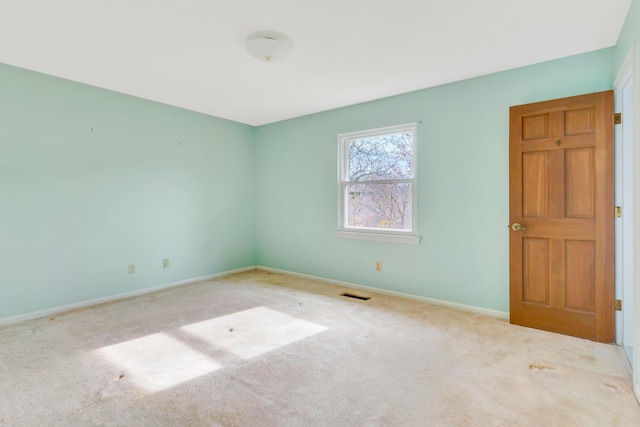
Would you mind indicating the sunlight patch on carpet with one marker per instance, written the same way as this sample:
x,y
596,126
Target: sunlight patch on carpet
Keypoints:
x,y
253,332
157,362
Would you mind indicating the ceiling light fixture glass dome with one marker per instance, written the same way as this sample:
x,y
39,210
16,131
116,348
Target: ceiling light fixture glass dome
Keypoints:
x,y
269,46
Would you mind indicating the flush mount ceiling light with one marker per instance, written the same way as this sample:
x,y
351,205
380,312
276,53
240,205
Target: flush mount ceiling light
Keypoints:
x,y
268,46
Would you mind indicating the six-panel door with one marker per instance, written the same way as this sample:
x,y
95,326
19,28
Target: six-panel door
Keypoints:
x,y
561,192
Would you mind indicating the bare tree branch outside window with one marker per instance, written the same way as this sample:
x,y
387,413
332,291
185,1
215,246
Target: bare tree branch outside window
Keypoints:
x,y
378,190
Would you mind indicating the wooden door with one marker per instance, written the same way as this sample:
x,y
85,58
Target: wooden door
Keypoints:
x,y
561,193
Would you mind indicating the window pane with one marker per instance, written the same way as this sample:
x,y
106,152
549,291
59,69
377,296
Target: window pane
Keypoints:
x,y
380,157
381,206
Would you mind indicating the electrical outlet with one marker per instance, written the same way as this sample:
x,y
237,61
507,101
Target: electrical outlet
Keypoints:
x,y
165,263
378,266
132,268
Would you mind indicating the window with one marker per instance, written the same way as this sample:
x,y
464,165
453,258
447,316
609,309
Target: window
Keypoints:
x,y
378,184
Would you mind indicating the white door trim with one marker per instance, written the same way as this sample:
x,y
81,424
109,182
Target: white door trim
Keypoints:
x,y
624,197
630,73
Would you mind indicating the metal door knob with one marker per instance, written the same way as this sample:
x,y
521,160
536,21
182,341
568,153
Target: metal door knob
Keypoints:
x,y
517,227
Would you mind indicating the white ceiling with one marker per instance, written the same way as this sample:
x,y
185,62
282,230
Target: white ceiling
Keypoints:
x,y
190,53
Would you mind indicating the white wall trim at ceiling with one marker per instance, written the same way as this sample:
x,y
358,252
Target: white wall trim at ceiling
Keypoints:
x,y
83,304
463,307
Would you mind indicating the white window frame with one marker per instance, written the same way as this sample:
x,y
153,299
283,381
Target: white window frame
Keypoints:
x,y
377,234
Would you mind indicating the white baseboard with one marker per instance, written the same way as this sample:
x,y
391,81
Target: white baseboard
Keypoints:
x,y
75,306
473,309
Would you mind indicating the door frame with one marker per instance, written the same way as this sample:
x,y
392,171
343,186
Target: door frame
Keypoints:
x,y
623,87
631,67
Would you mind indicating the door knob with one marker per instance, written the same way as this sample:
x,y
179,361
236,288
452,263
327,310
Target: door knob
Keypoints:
x,y
517,227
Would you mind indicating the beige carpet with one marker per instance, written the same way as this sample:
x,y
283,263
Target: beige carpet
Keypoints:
x,y
262,349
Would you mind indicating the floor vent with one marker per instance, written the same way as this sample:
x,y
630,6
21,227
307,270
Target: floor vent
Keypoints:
x,y
347,294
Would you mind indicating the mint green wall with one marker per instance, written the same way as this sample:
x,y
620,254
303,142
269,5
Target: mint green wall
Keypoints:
x,y
629,34
463,184
92,180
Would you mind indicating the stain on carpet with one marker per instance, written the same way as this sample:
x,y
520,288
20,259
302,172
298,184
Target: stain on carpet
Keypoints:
x,y
540,366
611,387
588,358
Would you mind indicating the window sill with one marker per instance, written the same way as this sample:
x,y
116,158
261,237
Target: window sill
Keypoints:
x,y
378,237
